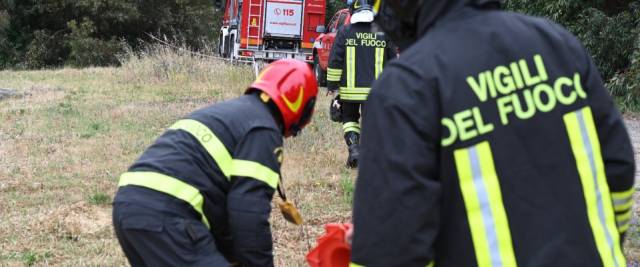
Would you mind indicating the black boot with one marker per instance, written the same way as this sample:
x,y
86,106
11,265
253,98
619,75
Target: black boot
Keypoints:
x,y
353,142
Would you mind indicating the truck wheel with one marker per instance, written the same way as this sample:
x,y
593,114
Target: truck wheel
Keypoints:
x,y
321,75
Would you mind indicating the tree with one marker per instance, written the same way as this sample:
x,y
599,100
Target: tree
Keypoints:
x,y
609,29
90,32
333,6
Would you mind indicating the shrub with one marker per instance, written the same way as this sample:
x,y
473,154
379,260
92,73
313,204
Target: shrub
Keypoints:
x,y
86,50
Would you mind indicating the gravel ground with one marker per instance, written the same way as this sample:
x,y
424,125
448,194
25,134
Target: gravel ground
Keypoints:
x,y
633,125
633,238
4,93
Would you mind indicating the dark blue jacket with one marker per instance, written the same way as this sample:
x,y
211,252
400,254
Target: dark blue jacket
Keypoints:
x,y
237,194
491,141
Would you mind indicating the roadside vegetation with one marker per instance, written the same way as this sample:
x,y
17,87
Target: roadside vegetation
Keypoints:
x,y
609,29
67,134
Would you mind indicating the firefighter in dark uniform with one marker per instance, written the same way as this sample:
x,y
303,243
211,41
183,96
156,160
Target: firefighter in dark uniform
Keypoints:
x,y
357,59
491,141
201,194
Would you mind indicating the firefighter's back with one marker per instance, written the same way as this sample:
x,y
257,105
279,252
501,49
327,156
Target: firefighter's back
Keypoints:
x,y
193,151
524,180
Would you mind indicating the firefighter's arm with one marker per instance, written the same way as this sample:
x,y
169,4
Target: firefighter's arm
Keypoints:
x,y
397,196
615,144
336,61
391,52
255,176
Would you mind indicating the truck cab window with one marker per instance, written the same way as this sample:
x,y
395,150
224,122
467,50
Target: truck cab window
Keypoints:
x,y
343,16
333,24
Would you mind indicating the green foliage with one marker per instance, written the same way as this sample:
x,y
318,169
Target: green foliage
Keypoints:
x,y
99,198
80,33
29,257
89,51
625,86
348,188
333,6
610,39
40,33
93,129
609,29
43,50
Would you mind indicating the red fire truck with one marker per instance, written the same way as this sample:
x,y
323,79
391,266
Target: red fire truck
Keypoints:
x,y
270,29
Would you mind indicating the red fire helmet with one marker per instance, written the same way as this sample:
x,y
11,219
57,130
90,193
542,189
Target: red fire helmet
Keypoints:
x,y
292,86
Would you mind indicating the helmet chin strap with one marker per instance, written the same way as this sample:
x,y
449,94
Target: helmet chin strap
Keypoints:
x,y
295,130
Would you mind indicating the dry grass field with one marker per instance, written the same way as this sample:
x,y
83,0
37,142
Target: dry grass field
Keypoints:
x,y
67,134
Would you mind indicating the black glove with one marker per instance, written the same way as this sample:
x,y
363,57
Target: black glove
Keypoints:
x,y
335,109
332,87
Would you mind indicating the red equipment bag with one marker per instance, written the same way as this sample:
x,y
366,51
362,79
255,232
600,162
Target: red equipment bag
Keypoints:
x,y
332,249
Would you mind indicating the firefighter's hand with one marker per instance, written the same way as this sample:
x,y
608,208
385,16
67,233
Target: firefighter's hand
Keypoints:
x,y
348,236
332,89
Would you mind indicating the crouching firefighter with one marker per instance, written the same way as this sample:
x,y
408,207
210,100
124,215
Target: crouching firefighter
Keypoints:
x,y
201,194
357,59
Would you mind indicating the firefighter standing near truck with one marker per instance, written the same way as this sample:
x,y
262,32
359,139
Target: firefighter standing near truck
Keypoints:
x,y
201,194
357,59
491,141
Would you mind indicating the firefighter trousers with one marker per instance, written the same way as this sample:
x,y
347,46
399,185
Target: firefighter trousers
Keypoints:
x,y
351,116
157,237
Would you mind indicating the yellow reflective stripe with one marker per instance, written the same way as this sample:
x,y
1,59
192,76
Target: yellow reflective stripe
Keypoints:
x,y
351,66
256,171
624,228
222,157
356,90
209,141
354,93
351,124
354,97
355,130
586,150
624,194
622,200
623,207
379,61
351,127
334,75
334,71
431,264
485,209
376,6
624,216
168,185
623,225
342,92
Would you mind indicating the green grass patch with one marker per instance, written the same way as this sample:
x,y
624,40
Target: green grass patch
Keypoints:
x,y
627,104
93,129
99,199
28,258
348,187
